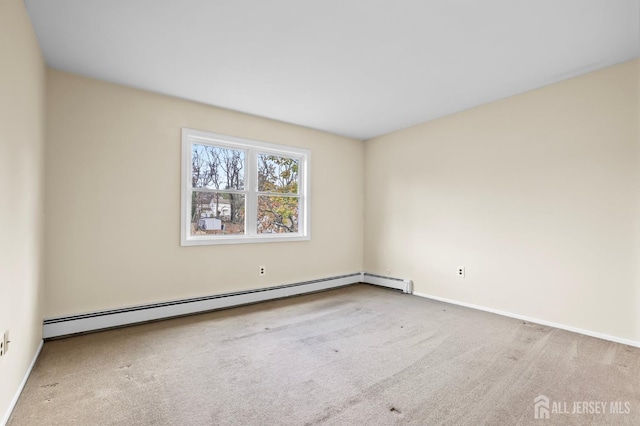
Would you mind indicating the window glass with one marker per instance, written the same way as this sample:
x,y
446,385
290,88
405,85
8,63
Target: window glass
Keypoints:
x,y
215,167
277,174
277,214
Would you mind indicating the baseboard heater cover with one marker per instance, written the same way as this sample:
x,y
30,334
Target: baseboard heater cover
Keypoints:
x,y
398,283
74,324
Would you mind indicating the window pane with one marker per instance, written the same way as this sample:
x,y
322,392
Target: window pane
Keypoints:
x,y
277,174
217,213
213,167
277,214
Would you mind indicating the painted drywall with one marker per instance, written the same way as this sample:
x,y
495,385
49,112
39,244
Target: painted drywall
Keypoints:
x,y
535,195
113,201
637,230
22,79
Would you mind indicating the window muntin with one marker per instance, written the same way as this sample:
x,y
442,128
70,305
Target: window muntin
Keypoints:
x,y
237,190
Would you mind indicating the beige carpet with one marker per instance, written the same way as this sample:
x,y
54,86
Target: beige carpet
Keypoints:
x,y
357,355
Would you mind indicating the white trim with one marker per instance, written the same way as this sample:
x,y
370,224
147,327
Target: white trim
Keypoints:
x,y
251,148
14,401
244,239
56,327
251,212
533,320
405,285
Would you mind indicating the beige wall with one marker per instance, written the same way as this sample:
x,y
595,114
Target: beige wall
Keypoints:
x,y
22,77
637,231
113,201
536,195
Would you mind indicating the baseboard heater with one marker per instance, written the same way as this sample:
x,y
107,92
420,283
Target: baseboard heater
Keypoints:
x,y
83,323
398,283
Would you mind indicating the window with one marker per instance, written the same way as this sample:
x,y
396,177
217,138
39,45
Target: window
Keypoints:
x,y
242,191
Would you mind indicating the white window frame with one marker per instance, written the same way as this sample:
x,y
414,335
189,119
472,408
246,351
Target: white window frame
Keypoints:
x,y
252,149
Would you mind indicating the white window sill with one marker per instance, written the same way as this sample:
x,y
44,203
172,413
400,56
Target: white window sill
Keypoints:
x,y
244,239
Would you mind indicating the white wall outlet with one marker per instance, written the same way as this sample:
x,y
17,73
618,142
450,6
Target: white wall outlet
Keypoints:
x,y
262,270
460,271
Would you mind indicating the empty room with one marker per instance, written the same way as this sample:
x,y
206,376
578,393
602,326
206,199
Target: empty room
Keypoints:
x,y
319,212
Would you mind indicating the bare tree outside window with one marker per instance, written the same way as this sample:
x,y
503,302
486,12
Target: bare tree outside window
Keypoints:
x,y
217,201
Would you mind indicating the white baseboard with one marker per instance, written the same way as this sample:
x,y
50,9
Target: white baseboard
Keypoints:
x,y
74,324
5,419
535,320
405,285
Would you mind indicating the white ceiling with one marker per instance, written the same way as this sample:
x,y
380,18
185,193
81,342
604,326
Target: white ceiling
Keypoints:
x,y
359,68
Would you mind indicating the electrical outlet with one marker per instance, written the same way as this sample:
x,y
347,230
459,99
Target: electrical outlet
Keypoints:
x,y
460,271
262,270
4,343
